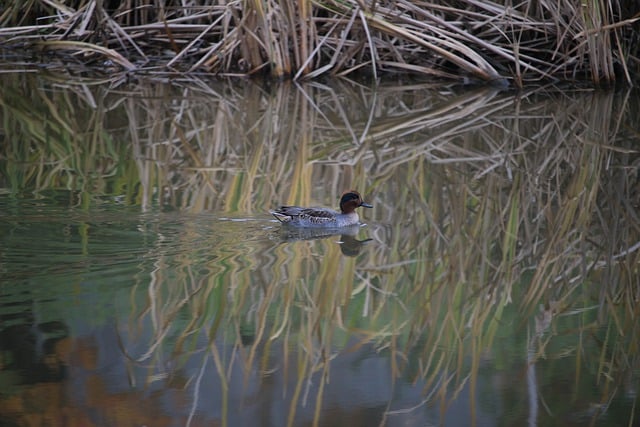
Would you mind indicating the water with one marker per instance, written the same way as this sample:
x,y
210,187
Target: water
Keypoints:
x,y
143,281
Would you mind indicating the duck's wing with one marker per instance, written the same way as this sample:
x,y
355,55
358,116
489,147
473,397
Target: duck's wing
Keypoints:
x,y
295,214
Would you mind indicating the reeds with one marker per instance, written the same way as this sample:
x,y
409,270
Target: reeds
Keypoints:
x,y
486,41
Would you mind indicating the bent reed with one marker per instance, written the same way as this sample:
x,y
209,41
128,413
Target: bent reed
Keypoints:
x,y
469,40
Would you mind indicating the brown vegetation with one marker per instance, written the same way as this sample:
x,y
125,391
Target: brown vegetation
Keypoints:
x,y
595,40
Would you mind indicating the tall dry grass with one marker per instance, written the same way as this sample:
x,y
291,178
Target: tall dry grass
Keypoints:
x,y
486,41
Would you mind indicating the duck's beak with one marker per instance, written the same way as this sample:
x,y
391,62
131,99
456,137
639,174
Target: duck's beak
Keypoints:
x,y
366,205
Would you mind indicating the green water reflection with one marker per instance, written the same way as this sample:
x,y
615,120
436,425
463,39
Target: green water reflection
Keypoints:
x,y
143,281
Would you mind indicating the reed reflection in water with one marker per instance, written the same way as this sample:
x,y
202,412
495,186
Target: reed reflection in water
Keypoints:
x,y
496,276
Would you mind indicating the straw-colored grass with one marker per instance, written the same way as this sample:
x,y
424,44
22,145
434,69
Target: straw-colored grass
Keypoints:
x,y
482,41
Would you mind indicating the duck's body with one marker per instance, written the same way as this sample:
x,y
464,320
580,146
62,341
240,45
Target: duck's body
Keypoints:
x,y
314,217
322,217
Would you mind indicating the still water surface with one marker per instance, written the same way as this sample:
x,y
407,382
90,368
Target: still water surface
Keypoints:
x,y
143,281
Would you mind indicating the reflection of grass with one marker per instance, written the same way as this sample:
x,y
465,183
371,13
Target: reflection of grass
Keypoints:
x,y
483,203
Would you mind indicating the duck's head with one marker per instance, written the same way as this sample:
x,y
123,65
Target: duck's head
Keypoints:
x,y
351,200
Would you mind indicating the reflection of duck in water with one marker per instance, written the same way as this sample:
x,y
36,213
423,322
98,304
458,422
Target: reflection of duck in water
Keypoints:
x,y
349,244
322,217
318,223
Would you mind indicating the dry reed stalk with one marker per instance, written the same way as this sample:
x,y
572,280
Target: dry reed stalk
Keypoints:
x,y
489,41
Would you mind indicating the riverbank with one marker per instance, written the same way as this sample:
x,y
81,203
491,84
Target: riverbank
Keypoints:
x,y
467,40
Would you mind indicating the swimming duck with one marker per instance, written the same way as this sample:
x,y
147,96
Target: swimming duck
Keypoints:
x,y
323,217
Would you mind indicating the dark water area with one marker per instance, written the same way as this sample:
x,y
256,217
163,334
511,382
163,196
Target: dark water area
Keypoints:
x,y
143,281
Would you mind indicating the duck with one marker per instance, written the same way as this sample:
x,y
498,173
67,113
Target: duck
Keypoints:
x,y
297,216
